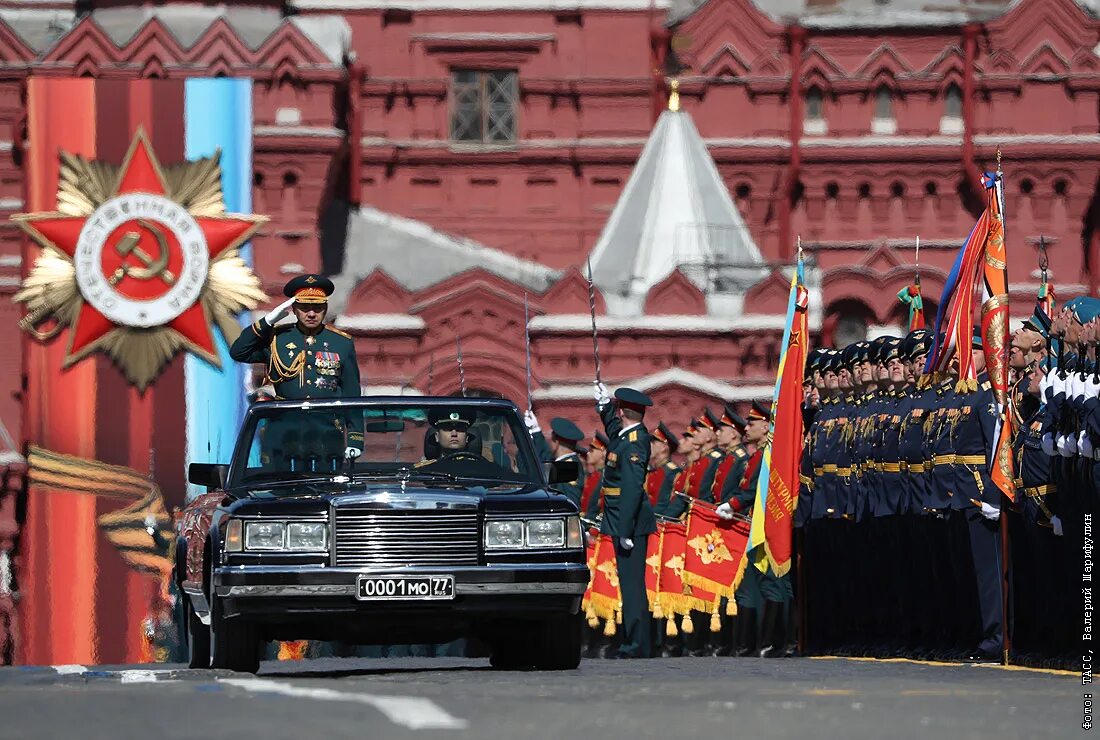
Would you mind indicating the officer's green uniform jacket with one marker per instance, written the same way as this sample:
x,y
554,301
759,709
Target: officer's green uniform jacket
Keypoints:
x,y
627,511
571,490
302,367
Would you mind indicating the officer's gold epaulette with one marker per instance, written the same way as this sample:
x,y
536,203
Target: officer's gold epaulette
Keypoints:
x,y
740,452
334,330
715,453
633,436
671,465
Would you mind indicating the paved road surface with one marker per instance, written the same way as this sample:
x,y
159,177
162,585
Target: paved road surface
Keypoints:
x,y
603,700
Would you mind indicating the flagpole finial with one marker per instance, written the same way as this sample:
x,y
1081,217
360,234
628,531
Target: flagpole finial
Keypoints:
x,y
799,237
674,96
998,159
1044,258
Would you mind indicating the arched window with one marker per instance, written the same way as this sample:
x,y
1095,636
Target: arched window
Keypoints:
x,y
815,104
884,103
814,119
953,101
883,120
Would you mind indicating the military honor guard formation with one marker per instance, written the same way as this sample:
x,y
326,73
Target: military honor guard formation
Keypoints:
x,y
939,509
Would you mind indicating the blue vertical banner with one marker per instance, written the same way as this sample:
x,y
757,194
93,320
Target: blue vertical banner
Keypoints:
x,y
218,115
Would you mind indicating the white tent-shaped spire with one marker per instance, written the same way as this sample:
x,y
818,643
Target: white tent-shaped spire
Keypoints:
x,y
675,212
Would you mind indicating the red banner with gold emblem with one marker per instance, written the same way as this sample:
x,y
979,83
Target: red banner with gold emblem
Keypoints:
x,y
714,552
606,600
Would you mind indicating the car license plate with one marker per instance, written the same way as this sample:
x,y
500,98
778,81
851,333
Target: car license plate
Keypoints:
x,y
405,588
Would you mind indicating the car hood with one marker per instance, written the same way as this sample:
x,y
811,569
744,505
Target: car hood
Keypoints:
x,y
315,497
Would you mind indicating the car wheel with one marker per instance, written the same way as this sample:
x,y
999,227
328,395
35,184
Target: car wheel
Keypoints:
x,y
234,643
512,650
559,648
198,638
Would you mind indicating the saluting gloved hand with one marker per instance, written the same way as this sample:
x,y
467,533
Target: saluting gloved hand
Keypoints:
x,y
992,513
350,453
1084,444
1046,386
279,313
531,421
1056,524
599,391
626,543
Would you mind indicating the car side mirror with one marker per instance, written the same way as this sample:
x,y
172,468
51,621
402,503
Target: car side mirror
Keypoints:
x,y
211,475
564,471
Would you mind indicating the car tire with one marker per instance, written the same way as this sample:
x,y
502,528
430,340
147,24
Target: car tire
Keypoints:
x,y
198,638
234,643
560,646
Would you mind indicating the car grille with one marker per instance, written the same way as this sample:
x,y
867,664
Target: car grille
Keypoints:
x,y
373,538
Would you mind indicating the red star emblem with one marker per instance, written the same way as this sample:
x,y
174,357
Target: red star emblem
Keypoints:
x,y
137,255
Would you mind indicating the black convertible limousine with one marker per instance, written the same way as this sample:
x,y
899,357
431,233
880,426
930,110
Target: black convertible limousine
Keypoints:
x,y
445,527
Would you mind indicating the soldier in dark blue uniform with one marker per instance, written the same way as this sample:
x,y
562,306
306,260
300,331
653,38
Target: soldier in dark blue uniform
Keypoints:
x,y
304,360
978,500
565,438
628,516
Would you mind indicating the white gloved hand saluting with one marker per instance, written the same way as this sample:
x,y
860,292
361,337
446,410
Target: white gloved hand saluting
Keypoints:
x,y
279,313
599,392
626,543
725,511
531,421
350,453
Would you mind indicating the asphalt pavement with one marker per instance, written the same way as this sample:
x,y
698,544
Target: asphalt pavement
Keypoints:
x,y
813,698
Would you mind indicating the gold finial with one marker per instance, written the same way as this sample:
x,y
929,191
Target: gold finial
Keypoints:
x,y
674,96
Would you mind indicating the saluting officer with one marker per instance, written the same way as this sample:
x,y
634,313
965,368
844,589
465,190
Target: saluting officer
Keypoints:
x,y
306,359
591,500
628,516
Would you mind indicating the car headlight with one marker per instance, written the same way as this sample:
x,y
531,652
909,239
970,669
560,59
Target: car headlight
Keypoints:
x,y
307,536
506,534
546,533
264,535
574,535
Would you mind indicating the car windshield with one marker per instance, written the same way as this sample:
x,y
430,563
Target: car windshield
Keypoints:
x,y
458,443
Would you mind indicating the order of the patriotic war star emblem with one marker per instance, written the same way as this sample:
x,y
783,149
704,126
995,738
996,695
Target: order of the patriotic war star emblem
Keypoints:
x,y
138,262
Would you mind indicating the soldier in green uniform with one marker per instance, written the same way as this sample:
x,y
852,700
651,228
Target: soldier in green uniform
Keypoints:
x,y
565,438
304,360
628,515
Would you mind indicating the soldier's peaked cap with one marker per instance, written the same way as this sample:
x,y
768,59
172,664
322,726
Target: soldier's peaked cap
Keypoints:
x,y
456,415
760,411
732,418
566,430
309,289
712,421
631,397
849,356
663,433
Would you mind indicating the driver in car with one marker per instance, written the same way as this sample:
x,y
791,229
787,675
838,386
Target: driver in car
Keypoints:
x,y
450,435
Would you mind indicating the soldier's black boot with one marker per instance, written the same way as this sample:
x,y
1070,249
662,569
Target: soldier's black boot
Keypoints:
x,y
696,643
790,648
724,641
773,631
746,632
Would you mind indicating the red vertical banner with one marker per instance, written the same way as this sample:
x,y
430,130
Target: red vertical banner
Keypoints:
x,y
82,602
58,562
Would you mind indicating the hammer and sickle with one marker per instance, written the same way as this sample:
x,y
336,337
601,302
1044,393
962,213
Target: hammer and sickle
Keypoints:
x,y
154,268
